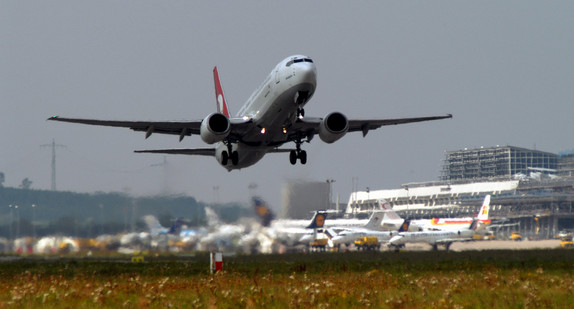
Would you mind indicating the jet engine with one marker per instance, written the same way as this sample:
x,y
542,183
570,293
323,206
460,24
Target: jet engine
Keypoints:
x,y
333,127
214,128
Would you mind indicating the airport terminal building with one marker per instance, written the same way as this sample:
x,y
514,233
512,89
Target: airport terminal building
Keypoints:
x,y
532,191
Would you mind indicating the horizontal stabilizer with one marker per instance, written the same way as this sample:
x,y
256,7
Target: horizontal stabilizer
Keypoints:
x,y
196,152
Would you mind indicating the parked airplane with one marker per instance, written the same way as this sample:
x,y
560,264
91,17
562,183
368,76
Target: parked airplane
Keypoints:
x,y
271,117
372,228
178,228
441,224
267,218
434,238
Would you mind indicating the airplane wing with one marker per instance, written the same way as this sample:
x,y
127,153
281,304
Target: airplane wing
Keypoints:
x,y
181,128
308,127
197,151
451,240
372,124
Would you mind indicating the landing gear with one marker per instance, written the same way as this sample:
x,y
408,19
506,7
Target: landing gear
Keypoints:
x,y
225,156
298,154
301,155
234,157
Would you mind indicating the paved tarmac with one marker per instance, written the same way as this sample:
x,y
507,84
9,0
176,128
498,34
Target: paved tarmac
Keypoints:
x,y
493,245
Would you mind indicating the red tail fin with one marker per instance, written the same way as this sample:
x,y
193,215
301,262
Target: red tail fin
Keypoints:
x,y
220,98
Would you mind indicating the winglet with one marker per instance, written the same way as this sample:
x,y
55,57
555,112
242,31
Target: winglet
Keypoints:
x,y
219,97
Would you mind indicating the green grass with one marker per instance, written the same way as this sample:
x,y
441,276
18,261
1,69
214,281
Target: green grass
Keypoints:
x,y
488,279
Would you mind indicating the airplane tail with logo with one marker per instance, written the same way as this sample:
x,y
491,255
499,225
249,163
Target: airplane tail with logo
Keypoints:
x,y
375,220
220,98
318,220
176,226
263,212
483,213
391,221
405,226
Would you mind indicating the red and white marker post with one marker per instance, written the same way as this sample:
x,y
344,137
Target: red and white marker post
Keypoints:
x,y
216,262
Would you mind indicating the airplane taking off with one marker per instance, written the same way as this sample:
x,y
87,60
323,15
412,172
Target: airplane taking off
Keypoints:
x,y
272,116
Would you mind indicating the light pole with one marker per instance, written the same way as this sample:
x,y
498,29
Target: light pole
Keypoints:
x,y
216,194
33,220
368,196
252,187
11,221
101,219
17,221
330,200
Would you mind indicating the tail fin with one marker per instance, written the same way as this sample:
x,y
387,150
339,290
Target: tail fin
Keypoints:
x,y
176,227
405,226
221,104
318,220
262,211
390,214
153,224
483,214
473,225
375,221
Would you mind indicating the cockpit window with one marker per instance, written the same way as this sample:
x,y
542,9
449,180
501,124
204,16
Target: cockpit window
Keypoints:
x,y
303,60
289,63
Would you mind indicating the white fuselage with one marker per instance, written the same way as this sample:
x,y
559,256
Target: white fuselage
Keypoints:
x,y
272,107
431,237
442,224
348,237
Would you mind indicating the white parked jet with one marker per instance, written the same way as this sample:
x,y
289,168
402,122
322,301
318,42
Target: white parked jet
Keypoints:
x,y
271,117
373,228
434,238
444,224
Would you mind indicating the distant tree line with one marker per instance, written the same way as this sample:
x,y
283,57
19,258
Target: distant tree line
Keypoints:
x,y
28,212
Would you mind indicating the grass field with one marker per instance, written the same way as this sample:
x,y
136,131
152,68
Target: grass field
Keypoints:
x,y
470,279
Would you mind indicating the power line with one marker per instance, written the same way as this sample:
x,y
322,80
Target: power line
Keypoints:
x,y
53,145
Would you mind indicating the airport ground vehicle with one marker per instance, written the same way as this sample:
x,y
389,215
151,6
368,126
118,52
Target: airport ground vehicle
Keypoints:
x,y
516,236
564,243
367,243
319,244
488,236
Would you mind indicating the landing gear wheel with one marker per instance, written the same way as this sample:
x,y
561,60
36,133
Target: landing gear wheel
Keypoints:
x,y
293,157
303,156
235,158
224,158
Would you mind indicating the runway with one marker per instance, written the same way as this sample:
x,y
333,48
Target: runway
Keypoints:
x,y
492,245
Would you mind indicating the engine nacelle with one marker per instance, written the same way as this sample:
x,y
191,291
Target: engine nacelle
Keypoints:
x,y
214,128
333,127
